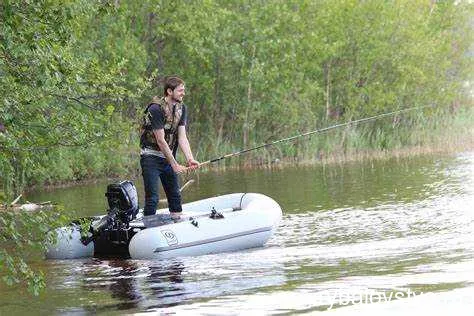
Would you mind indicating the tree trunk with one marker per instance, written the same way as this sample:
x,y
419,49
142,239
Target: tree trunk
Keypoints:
x,y
160,45
246,126
327,77
219,115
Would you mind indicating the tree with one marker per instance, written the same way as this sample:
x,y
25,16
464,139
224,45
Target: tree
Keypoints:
x,y
68,84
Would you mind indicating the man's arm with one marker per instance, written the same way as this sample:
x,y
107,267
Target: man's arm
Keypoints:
x,y
186,148
165,149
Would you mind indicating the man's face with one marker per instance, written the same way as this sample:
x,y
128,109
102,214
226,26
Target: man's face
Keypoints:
x,y
177,94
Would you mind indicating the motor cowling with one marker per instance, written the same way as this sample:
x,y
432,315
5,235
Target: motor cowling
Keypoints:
x,y
122,198
113,230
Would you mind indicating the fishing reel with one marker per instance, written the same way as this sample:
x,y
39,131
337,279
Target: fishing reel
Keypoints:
x,y
122,198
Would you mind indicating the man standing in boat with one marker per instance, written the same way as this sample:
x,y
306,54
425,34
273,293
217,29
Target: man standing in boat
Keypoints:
x,y
163,130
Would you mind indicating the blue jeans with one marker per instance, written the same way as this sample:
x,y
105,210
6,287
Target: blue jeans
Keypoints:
x,y
154,167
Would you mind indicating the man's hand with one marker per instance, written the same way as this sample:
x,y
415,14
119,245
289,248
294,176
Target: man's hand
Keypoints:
x,y
193,164
179,168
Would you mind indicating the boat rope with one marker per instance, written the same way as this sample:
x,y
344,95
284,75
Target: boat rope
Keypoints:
x,y
321,130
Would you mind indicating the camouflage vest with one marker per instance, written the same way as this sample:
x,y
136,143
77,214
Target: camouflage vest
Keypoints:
x,y
171,121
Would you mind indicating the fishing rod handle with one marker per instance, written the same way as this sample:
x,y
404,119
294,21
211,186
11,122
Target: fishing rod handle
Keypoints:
x,y
204,163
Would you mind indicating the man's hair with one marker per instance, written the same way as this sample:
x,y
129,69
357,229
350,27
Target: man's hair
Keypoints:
x,y
171,82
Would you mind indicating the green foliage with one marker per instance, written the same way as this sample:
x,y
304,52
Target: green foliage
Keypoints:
x,y
66,84
84,226
75,75
21,235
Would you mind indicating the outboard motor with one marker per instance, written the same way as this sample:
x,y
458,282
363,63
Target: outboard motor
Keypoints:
x,y
123,200
112,233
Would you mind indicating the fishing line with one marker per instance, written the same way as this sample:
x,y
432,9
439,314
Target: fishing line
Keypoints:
x,y
322,130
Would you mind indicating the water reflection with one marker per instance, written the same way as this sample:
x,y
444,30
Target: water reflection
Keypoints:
x,y
163,285
116,277
133,284
140,285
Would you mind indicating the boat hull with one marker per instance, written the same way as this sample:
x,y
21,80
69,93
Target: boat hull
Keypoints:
x,y
248,220
68,245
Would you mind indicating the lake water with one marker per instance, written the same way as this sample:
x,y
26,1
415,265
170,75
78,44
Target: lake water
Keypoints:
x,y
390,237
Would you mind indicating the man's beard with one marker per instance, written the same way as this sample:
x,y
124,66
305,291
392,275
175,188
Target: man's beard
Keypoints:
x,y
176,100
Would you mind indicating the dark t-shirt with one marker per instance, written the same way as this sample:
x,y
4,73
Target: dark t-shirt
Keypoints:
x,y
157,120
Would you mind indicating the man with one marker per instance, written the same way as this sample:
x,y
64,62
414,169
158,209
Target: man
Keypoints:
x,y
163,130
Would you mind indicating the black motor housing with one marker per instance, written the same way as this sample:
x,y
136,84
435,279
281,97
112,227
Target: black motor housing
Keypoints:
x,y
113,242
112,234
123,199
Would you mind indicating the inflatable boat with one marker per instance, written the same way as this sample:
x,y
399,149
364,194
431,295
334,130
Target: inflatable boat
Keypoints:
x,y
219,224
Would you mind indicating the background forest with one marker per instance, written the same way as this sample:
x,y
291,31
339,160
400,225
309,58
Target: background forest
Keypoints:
x,y
76,75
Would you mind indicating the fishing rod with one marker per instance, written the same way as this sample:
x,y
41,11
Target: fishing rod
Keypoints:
x,y
321,130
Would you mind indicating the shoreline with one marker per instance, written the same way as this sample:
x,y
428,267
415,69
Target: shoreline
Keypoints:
x,y
462,144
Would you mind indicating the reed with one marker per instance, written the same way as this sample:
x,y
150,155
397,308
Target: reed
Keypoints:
x,y
437,133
